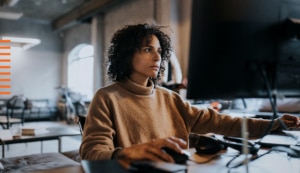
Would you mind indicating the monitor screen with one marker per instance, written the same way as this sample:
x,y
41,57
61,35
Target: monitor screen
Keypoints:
x,y
242,49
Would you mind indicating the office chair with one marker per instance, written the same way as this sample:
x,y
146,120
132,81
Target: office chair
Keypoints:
x,y
14,106
80,120
81,111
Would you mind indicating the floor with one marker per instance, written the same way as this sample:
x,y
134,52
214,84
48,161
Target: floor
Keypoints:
x,y
68,143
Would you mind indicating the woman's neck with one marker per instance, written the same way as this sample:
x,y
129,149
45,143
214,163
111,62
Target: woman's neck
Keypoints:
x,y
139,80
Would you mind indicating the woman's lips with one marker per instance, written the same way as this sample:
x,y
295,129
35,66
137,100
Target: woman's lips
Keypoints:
x,y
155,67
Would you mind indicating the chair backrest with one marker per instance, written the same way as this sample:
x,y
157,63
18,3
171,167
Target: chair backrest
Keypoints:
x,y
14,105
80,120
16,102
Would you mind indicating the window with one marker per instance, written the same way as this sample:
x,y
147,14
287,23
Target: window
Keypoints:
x,y
80,70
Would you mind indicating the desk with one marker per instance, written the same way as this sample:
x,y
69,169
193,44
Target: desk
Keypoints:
x,y
51,162
68,169
274,162
52,133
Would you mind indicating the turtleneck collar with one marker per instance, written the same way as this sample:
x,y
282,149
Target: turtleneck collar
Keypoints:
x,y
136,88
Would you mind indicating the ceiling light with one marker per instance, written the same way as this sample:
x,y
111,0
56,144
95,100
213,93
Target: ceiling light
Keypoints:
x,y
10,15
11,2
24,43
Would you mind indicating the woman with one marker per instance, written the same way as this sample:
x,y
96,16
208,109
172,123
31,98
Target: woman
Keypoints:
x,y
134,118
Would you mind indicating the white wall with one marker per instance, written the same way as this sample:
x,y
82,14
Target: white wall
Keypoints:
x,y
36,72
72,37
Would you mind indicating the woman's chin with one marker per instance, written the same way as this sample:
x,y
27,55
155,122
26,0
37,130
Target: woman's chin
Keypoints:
x,y
154,75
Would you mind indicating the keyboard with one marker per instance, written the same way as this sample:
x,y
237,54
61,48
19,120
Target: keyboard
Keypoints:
x,y
294,129
268,115
277,140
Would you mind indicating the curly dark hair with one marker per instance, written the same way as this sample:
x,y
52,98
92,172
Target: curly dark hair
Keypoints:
x,y
126,41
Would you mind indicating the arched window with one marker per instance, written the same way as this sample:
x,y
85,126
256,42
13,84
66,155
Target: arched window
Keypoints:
x,y
80,70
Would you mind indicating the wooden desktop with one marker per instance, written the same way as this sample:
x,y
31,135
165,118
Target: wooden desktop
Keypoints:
x,y
51,133
274,162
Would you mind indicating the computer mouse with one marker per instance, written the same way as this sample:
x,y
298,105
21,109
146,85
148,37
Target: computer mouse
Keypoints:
x,y
209,145
179,158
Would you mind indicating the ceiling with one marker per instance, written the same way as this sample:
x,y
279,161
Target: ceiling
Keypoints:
x,y
40,10
59,13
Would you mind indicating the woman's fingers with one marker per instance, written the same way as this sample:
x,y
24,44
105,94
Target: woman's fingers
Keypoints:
x,y
179,141
174,143
157,154
153,150
291,121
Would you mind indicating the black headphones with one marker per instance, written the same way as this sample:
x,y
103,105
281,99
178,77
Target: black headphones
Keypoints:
x,y
209,144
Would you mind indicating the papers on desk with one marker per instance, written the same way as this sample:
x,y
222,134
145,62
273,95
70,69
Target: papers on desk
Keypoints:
x,y
27,131
295,134
240,114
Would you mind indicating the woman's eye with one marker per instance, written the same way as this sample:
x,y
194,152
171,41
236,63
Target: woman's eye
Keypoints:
x,y
148,49
159,51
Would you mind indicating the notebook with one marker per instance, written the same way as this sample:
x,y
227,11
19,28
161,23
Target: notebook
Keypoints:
x,y
291,138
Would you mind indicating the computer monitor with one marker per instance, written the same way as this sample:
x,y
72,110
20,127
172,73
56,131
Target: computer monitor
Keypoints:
x,y
244,49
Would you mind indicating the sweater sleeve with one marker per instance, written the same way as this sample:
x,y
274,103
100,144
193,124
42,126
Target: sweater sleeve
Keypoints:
x,y
97,140
210,121
206,120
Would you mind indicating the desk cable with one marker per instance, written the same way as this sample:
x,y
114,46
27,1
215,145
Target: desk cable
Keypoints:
x,y
252,158
272,98
289,151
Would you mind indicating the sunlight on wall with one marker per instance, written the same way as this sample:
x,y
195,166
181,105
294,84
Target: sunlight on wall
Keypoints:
x,y
80,70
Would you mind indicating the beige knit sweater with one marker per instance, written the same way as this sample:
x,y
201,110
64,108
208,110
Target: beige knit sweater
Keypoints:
x,y
126,113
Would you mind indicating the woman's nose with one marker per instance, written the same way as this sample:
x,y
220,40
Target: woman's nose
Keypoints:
x,y
157,56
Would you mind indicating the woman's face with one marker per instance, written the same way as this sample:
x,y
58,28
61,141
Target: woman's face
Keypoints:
x,y
146,62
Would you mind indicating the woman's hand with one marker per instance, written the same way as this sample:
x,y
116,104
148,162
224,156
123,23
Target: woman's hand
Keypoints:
x,y
291,121
152,150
